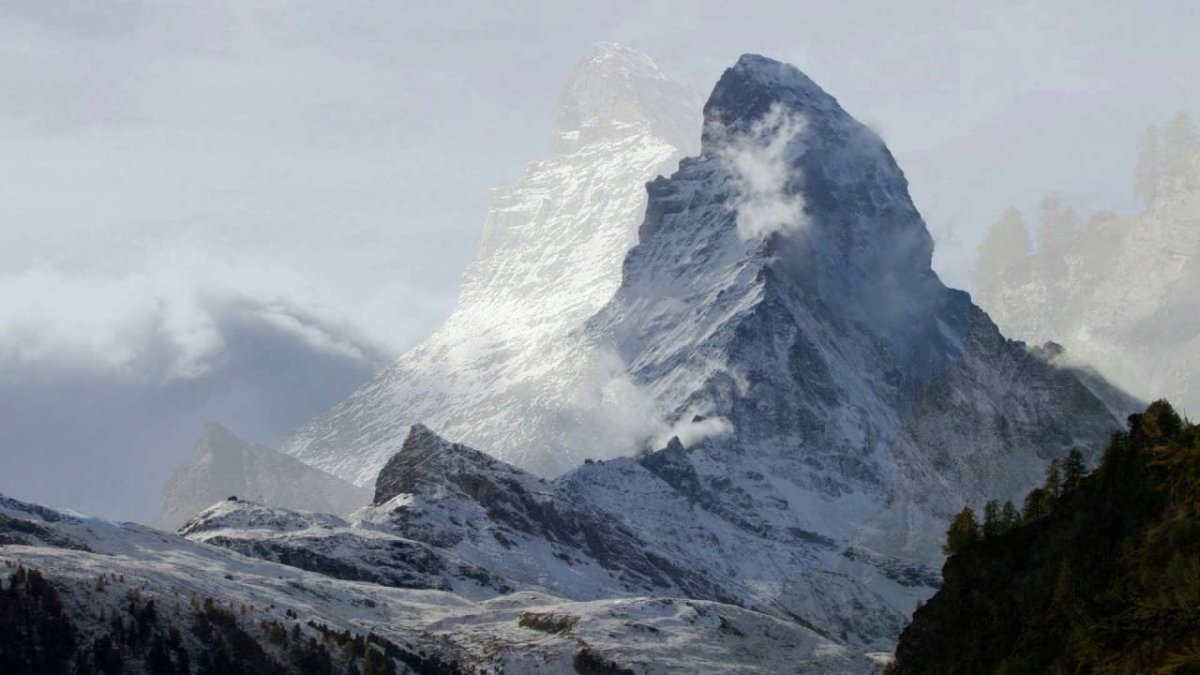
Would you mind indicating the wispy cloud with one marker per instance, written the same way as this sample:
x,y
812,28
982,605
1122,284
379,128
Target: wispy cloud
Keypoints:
x,y
761,161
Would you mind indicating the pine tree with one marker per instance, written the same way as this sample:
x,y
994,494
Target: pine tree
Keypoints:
x,y
1037,504
1161,422
1054,482
1072,470
1007,244
992,526
1148,171
964,531
1009,516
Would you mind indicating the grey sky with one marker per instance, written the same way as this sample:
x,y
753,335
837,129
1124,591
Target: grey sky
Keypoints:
x,y
326,163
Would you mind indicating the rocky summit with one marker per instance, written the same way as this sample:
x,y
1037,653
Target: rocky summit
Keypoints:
x,y
800,386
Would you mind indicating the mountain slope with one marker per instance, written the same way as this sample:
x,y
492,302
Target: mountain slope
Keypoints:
x,y
550,257
449,517
781,299
223,465
82,593
834,404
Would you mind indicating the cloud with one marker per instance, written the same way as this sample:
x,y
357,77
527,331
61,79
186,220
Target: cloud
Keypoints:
x,y
100,433
159,321
108,375
761,161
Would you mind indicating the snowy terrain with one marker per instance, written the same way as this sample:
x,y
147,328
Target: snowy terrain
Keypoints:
x,y
99,568
761,399
835,402
549,258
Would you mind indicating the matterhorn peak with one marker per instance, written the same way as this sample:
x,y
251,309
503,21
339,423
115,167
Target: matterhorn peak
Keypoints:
x,y
616,91
755,84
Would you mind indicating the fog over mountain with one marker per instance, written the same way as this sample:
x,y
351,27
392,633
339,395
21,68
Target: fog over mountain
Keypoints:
x,y
238,212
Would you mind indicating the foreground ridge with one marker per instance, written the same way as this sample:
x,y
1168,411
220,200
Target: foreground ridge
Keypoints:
x,y
84,595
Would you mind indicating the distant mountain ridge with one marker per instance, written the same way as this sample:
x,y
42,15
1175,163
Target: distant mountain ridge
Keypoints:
x,y
223,465
86,595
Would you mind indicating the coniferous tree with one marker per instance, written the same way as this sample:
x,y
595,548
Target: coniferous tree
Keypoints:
x,y
1037,504
1161,422
1054,482
1072,470
964,531
992,526
1009,516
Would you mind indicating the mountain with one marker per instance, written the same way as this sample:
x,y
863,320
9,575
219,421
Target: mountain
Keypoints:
x,y
760,422
81,594
1120,291
223,465
549,258
1105,582
444,508
804,403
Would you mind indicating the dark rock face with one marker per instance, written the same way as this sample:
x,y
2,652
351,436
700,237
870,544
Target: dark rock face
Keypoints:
x,y
426,461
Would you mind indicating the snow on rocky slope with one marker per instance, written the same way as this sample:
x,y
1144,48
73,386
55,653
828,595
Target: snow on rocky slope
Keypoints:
x,y
781,402
834,402
143,597
549,258
223,465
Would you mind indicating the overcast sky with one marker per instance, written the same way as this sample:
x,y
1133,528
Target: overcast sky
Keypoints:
x,y
236,210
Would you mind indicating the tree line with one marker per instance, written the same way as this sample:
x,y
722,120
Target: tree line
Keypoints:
x,y
1062,477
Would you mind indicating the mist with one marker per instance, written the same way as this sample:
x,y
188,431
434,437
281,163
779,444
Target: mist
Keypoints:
x,y
767,204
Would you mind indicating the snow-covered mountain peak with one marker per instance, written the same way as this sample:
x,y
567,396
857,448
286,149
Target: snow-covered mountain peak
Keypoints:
x,y
854,195
217,438
794,209
748,89
618,91
495,374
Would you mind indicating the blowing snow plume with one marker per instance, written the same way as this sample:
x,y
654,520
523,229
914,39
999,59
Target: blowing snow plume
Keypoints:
x,y
761,161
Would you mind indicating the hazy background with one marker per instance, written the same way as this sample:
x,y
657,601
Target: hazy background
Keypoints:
x,y
237,210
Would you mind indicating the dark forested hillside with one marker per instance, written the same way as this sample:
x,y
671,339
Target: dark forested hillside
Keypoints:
x,y
1103,577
